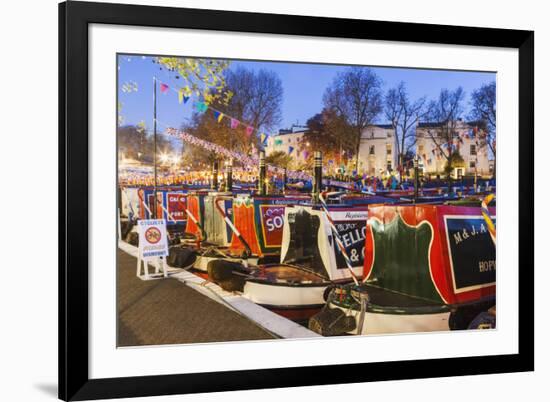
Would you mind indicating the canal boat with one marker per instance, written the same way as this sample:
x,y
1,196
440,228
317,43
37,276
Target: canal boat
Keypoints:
x,y
426,268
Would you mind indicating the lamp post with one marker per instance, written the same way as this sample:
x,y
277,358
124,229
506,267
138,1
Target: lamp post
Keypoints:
x,y
155,147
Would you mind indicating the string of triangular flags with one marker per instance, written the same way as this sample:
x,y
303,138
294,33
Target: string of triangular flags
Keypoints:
x,y
247,160
202,107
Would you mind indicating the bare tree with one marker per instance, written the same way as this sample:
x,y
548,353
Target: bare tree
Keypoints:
x,y
403,115
356,95
445,112
257,97
256,102
483,103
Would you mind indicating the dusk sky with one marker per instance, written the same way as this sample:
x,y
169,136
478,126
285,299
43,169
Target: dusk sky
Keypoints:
x,y
303,86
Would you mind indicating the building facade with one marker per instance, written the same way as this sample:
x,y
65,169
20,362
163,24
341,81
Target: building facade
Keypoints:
x,y
466,142
377,151
289,142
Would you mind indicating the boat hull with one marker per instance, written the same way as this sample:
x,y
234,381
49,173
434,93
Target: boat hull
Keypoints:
x,y
384,323
285,296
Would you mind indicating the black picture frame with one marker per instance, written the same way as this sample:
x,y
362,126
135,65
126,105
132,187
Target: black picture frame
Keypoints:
x,y
74,19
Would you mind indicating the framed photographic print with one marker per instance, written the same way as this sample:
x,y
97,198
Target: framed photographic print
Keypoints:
x,y
321,193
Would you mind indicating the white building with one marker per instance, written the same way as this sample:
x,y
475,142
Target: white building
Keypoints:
x,y
465,141
377,151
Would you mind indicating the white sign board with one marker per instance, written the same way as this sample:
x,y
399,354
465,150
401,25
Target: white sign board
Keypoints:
x,y
153,240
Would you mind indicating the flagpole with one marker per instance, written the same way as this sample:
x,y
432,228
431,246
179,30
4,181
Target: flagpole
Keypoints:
x,y
155,146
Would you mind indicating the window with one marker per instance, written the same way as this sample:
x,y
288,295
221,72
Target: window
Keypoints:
x,y
371,150
388,149
472,164
388,166
473,150
420,149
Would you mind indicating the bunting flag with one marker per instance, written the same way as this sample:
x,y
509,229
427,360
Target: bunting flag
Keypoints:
x,y
201,107
250,162
290,149
306,154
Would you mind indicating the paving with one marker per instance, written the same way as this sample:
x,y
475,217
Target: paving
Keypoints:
x,y
166,311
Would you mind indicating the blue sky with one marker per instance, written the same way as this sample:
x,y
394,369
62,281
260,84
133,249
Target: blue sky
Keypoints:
x,y
303,86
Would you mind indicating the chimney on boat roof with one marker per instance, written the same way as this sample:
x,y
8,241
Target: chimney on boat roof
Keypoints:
x,y
317,175
229,175
214,185
262,178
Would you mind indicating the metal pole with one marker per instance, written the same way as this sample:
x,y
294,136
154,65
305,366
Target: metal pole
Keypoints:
x,y
262,176
214,185
415,178
317,175
284,180
229,173
155,146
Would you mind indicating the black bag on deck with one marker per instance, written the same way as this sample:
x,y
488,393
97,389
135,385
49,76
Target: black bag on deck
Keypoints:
x,y
181,257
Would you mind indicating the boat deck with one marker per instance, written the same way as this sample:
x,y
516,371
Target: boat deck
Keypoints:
x,y
167,311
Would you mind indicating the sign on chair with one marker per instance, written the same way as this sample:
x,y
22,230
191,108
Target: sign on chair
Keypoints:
x,y
153,244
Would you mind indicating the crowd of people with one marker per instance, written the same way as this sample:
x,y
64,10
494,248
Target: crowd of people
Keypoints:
x,y
249,178
190,178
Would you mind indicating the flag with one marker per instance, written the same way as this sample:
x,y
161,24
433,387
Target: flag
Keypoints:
x,y
185,99
180,95
201,106
249,130
290,149
218,116
262,137
163,87
234,123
